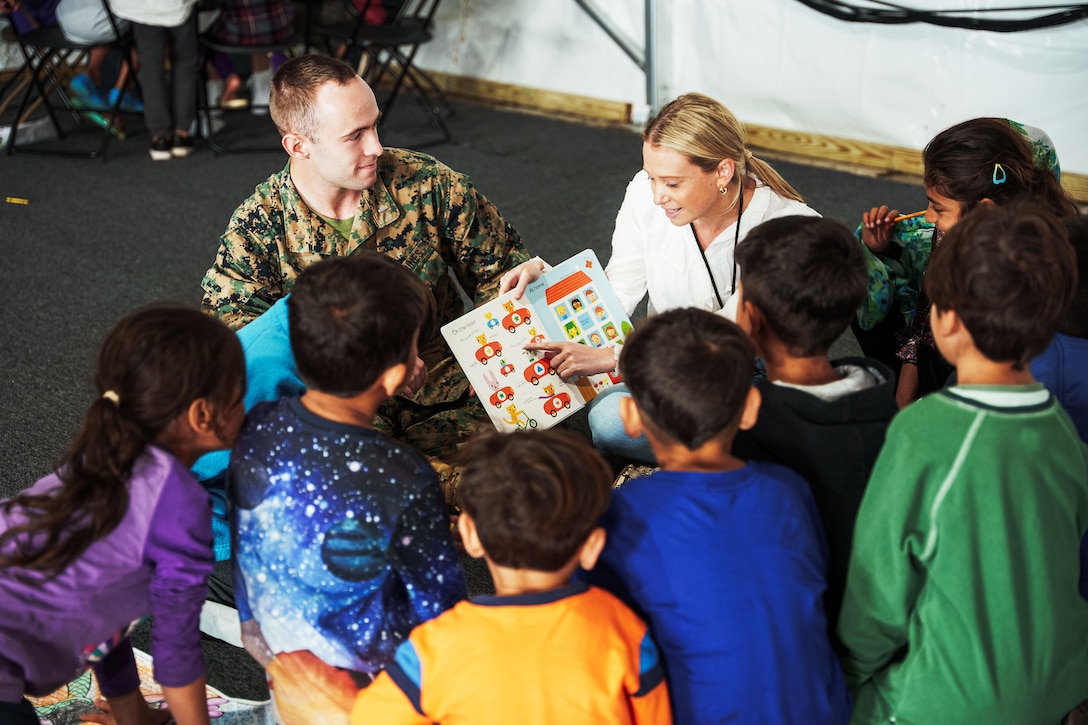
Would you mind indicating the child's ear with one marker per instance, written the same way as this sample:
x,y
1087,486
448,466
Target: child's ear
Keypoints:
x,y
630,417
751,320
393,379
946,322
592,548
750,414
201,416
470,539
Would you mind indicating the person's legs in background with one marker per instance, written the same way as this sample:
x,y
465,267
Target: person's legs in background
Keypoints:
x,y
151,42
185,62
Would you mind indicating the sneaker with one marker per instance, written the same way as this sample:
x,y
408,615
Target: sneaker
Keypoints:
x,y
129,102
260,88
183,146
85,93
160,149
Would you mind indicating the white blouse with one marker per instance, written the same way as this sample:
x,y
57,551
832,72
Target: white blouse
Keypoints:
x,y
650,254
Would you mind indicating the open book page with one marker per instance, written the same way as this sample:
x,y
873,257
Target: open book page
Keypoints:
x,y
572,302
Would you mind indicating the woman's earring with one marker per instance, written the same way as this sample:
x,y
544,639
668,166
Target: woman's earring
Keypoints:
x,y
723,190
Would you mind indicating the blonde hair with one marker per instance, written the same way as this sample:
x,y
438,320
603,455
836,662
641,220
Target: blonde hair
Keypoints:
x,y
706,132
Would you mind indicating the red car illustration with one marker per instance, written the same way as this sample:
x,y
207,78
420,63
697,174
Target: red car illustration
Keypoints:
x,y
506,368
519,316
488,351
556,403
538,369
501,395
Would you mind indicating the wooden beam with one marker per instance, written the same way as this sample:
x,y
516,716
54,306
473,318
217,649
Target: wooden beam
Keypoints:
x,y
584,108
1077,186
840,153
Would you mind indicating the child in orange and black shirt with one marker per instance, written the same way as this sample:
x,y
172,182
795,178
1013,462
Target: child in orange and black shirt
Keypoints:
x,y
542,649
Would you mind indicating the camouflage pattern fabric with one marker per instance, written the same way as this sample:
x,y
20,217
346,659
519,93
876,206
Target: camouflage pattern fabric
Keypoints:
x,y
437,431
419,212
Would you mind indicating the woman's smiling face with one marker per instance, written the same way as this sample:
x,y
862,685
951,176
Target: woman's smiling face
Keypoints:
x,y
683,191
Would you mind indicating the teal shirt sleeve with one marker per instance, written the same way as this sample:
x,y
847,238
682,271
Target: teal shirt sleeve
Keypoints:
x,y
271,374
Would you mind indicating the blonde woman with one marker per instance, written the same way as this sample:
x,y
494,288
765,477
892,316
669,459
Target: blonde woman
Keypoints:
x,y
698,194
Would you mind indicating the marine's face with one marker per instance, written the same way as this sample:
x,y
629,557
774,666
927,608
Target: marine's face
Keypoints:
x,y
346,150
683,191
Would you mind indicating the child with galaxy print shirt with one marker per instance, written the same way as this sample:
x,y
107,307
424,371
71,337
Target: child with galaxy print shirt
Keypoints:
x,y
341,537
532,503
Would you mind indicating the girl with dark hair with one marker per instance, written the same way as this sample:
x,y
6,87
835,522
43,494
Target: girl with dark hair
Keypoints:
x,y
121,529
978,162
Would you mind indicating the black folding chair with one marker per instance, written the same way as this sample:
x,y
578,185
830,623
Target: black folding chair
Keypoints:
x,y
206,110
387,54
48,57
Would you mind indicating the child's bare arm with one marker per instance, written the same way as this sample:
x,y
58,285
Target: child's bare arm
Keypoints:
x,y
188,703
254,643
309,691
127,709
188,706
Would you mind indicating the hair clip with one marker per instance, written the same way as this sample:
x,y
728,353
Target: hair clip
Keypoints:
x,y
112,396
999,176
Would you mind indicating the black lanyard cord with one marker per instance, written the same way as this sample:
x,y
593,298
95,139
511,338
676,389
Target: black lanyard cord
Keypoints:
x,y
736,241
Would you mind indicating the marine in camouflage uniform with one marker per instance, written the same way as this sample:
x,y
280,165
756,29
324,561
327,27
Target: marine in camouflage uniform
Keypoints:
x,y
419,212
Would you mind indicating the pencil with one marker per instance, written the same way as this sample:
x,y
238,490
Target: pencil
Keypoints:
x,y
908,216
16,200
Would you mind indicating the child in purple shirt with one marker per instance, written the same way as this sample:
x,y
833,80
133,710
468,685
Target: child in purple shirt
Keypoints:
x,y
121,529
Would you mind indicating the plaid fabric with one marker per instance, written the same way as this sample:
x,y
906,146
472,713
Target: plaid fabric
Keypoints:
x,y
254,22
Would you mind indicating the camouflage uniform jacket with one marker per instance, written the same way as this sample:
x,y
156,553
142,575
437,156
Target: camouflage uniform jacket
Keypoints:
x,y
419,212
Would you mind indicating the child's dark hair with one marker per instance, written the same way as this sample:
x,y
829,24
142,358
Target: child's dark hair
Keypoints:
x,y
689,371
352,318
535,496
985,158
1075,322
151,366
807,275
1009,273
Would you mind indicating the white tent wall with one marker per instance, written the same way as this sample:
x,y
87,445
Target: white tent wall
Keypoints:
x,y
780,64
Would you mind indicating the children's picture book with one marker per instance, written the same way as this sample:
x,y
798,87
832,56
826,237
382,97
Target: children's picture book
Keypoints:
x,y
571,302
64,706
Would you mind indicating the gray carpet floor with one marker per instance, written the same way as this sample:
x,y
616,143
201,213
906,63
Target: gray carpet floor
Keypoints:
x,y
97,239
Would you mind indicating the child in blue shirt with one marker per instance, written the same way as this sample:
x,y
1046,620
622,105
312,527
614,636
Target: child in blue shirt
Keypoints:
x,y
341,537
726,561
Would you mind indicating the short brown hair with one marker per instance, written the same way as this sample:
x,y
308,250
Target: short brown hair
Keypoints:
x,y
1009,272
294,91
352,318
534,496
807,275
689,372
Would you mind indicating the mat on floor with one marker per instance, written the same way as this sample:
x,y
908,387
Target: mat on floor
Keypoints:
x,y
64,706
